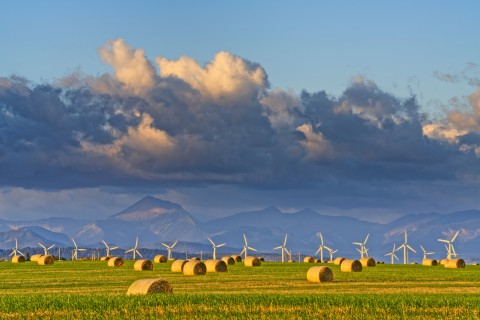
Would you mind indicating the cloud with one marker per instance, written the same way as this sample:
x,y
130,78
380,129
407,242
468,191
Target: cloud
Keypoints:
x,y
220,124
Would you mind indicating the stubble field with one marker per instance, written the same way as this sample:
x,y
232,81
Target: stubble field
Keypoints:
x,y
92,290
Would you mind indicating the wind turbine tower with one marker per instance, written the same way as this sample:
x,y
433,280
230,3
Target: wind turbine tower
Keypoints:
x,y
283,248
215,246
169,249
405,248
246,247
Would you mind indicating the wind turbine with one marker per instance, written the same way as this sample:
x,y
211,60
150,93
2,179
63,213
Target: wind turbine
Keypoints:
x,y
425,253
45,249
15,250
321,247
215,246
394,256
169,249
405,247
75,251
450,249
108,248
283,248
331,252
134,250
363,250
246,247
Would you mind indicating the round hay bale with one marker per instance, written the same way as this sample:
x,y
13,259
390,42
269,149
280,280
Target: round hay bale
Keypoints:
x,y
291,261
318,261
237,258
320,274
216,266
106,258
35,257
228,260
149,286
413,263
195,259
454,263
177,265
160,259
252,261
142,265
308,259
46,260
429,262
262,259
442,262
351,266
18,259
115,262
338,261
194,268
367,262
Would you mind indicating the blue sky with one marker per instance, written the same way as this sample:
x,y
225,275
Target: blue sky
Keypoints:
x,y
149,127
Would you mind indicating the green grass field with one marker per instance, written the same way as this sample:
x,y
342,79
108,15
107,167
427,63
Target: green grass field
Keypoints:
x,y
91,290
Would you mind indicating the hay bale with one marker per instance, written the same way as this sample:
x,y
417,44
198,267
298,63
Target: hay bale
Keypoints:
x,y
216,266
106,258
115,262
228,260
351,266
237,258
149,286
413,263
454,263
308,260
367,262
35,257
46,260
318,261
177,265
160,259
194,268
442,262
18,259
262,259
429,262
291,261
142,265
338,261
195,259
252,261
320,274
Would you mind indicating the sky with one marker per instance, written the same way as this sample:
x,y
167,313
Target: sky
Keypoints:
x,y
364,109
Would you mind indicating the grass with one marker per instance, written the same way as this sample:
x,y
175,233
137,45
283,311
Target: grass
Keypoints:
x,y
91,290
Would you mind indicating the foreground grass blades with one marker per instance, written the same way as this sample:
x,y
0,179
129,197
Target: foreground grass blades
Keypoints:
x,y
91,290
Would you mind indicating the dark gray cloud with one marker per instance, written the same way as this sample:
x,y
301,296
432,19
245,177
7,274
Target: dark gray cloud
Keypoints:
x,y
169,131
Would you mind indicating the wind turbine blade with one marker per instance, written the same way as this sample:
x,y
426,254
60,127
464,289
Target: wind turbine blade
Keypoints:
x,y
455,236
173,245
318,250
129,250
358,243
442,240
113,248
211,241
51,247
321,238
406,236
285,242
11,254
430,252
411,248
394,247
242,251
403,245
453,250
279,247
106,245
20,252
165,245
245,238
221,245
366,239
136,242
359,250
82,249
139,254
329,249
74,243
335,251
252,249
388,254
423,249
395,256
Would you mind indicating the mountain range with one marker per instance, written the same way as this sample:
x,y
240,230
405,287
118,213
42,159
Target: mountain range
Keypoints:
x,y
153,221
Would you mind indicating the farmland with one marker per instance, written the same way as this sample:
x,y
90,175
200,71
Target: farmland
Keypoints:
x,y
91,290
